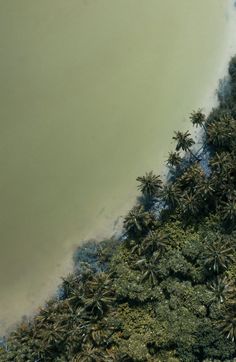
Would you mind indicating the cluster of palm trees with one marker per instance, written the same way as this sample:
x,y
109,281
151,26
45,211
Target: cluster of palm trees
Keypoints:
x,y
138,222
219,255
190,196
150,250
192,193
74,327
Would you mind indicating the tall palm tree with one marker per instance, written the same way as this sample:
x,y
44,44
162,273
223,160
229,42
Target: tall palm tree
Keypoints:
x,y
223,165
171,195
98,295
155,241
189,205
69,284
98,303
150,184
95,333
98,333
174,159
228,210
205,189
192,176
219,161
198,118
135,246
218,255
77,335
149,269
222,133
75,299
184,142
228,325
53,336
219,289
138,221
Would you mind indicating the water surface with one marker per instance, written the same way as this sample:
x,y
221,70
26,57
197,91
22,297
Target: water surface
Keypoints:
x,y
91,92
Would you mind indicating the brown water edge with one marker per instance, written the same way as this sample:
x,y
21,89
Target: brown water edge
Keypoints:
x,y
90,101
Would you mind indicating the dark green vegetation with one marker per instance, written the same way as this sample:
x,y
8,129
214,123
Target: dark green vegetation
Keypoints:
x,y
167,290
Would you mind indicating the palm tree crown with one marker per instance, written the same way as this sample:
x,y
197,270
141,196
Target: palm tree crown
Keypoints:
x,y
222,133
138,221
149,270
198,118
218,255
184,141
150,184
228,211
156,241
171,195
174,159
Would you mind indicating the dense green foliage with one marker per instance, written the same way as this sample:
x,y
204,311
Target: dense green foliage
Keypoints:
x,y
167,290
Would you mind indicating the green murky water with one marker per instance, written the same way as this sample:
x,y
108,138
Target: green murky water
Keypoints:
x,y
91,92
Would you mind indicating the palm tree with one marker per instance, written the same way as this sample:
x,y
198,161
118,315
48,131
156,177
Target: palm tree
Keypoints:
x,y
228,210
149,269
98,334
184,142
76,298
189,205
216,134
228,325
76,287
218,255
155,241
50,311
89,332
174,159
205,189
138,221
69,284
77,334
221,162
198,118
191,177
136,246
52,337
99,303
150,184
171,195
219,289
222,133
98,295
223,166
231,293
